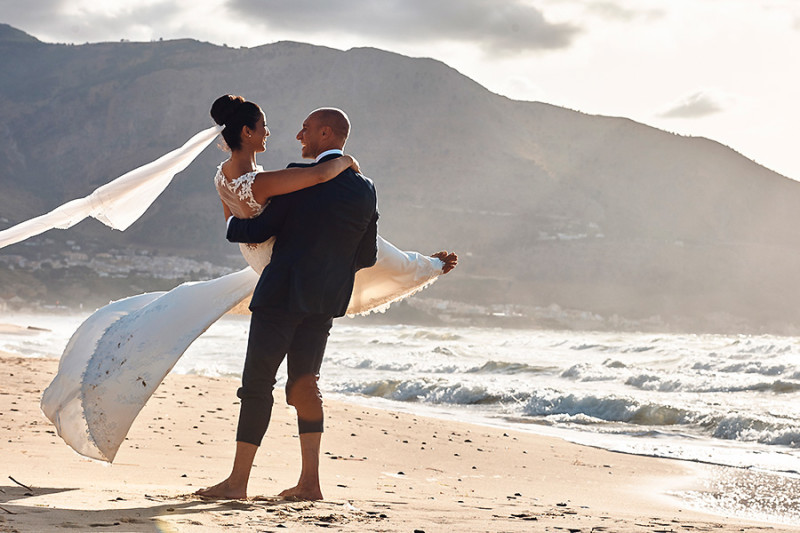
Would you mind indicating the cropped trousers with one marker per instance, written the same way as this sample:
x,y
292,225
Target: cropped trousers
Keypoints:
x,y
275,335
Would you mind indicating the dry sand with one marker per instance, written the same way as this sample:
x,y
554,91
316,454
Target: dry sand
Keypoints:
x,y
382,471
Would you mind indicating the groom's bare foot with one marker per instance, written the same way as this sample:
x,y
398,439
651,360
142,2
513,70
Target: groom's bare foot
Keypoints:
x,y
302,493
223,491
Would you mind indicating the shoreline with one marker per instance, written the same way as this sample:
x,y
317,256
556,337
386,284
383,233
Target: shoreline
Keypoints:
x,y
381,471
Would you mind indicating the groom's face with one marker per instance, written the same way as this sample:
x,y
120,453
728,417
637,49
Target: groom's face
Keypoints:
x,y
311,137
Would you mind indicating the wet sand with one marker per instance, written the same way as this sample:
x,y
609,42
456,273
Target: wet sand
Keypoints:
x,y
381,471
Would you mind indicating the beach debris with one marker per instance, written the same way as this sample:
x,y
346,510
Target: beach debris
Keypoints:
x,y
6,510
21,484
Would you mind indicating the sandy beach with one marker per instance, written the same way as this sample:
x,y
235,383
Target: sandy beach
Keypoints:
x,y
382,471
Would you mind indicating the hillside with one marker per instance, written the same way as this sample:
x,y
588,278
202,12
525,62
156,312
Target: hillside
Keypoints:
x,y
545,205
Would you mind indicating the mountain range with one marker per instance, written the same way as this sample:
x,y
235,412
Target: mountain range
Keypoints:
x,y
546,206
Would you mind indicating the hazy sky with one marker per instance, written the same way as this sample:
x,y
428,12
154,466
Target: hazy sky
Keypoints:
x,y
724,69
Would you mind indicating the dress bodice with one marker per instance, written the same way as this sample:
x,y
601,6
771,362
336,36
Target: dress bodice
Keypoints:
x,y
238,193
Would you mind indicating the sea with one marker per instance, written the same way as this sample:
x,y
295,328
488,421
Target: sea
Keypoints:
x,y
716,400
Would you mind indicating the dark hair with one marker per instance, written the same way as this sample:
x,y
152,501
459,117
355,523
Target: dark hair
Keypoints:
x,y
234,112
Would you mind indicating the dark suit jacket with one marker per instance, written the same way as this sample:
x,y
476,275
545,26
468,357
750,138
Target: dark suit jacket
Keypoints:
x,y
324,234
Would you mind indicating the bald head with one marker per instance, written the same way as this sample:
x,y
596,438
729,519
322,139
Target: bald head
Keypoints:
x,y
335,119
324,129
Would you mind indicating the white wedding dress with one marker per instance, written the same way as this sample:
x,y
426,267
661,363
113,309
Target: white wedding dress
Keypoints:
x,y
117,358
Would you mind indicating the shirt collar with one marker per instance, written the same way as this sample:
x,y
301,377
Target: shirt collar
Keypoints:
x,y
326,153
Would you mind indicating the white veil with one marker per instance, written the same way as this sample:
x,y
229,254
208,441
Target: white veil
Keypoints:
x,y
120,203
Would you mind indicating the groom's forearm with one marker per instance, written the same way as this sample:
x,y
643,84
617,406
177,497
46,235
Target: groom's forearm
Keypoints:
x,y
248,230
260,228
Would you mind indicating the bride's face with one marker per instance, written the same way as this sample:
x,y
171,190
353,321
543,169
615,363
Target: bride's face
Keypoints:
x,y
258,135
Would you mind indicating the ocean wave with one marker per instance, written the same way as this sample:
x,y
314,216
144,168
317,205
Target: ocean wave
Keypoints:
x,y
387,366
638,349
426,365
608,409
652,382
572,409
750,348
746,367
748,429
435,335
397,365
582,347
778,387
754,367
587,372
424,390
503,367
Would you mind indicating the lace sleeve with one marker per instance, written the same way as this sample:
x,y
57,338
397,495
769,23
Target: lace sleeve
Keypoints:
x,y
243,187
238,193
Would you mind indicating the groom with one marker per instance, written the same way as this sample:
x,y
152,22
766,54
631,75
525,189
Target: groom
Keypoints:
x,y
324,235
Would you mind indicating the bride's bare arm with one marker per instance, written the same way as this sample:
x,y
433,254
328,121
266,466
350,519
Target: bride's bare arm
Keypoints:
x,y
276,182
226,210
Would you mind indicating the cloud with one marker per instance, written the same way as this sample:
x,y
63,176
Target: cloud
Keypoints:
x,y
614,11
497,26
71,21
699,104
42,13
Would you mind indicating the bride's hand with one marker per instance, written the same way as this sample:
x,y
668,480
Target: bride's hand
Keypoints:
x,y
450,260
355,166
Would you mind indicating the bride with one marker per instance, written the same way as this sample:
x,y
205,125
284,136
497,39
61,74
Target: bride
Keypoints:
x,y
117,358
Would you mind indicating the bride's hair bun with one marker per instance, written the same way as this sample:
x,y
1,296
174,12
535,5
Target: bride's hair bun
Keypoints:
x,y
234,112
225,107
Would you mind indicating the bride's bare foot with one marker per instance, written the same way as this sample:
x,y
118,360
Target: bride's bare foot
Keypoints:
x,y
223,491
302,493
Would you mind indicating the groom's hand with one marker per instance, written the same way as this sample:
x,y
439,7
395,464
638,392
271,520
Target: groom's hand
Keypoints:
x,y
450,260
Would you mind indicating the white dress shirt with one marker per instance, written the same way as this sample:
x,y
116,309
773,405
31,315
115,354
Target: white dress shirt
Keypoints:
x,y
336,151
